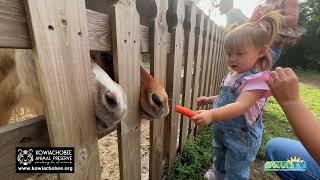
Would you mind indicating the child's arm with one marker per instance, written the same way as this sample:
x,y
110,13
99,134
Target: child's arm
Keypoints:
x,y
245,100
212,98
243,103
285,88
204,100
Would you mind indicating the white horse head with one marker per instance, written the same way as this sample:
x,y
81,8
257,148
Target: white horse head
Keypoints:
x,y
110,99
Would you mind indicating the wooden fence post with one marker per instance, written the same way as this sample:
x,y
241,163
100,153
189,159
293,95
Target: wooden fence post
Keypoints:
x,y
189,27
222,57
158,32
210,61
61,49
197,64
205,55
175,19
217,78
214,62
126,53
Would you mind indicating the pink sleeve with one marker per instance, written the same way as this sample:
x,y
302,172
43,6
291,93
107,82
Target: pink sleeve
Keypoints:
x,y
257,82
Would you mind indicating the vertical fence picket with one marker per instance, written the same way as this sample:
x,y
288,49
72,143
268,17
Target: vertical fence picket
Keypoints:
x,y
197,64
126,53
189,27
175,17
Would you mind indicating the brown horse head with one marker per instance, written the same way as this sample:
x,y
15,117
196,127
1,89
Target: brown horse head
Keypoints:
x,y
153,97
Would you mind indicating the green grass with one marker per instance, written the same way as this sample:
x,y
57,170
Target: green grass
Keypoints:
x,y
309,77
197,157
275,124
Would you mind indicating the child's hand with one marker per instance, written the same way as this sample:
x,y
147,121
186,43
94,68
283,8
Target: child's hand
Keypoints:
x,y
202,100
284,85
202,119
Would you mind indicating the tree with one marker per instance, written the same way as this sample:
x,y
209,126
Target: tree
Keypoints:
x,y
306,53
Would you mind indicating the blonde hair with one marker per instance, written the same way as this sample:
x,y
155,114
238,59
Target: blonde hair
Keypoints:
x,y
254,32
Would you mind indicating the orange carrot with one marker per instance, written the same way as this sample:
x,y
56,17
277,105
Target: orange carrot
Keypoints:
x,y
185,111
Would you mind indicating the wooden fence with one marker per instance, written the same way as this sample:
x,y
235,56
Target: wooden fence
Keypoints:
x,y
186,56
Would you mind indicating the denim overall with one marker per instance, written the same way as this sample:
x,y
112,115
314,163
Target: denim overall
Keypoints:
x,y
235,143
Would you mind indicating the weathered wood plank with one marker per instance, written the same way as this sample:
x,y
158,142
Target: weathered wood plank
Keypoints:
x,y
175,16
210,64
13,25
99,31
189,27
209,61
206,47
222,62
158,31
126,54
14,30
218,59
223,57
197,64
214,63
60,36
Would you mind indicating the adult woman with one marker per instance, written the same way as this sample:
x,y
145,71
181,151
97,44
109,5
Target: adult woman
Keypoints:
x,y
290,11
284,86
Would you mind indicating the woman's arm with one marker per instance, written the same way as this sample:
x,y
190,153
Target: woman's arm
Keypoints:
x,y
305,126
291,12
284,86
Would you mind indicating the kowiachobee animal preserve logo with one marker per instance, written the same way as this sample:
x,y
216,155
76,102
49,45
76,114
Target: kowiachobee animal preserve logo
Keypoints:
x,y
45,160
25,157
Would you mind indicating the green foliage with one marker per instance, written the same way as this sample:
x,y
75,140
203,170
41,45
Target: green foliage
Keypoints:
x,y
275,124
196,156
306,53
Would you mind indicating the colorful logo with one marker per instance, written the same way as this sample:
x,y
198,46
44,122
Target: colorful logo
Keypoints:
x,y
292,164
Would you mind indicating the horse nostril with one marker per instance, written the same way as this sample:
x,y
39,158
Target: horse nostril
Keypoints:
x,y
111,99
156,100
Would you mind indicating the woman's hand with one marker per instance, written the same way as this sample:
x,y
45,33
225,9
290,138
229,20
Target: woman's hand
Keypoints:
x,y
203,118
284,85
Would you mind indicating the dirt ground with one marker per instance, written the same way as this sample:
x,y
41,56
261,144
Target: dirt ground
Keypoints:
x,y
257,173
109,157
